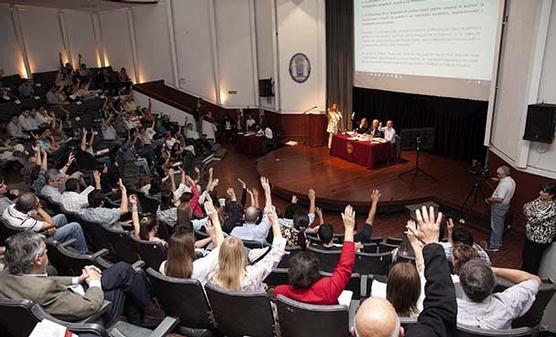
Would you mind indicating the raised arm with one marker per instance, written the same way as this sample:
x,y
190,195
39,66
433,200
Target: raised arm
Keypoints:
x,y
83,145
96,179
416,245
123,202
375,197
70,161
135,216
438,317
312,200
514,275
214,223
267,193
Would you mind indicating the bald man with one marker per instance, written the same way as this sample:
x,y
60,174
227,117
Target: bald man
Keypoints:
x,y
377,317
250,230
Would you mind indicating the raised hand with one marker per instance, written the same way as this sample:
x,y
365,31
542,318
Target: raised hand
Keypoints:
x,y
265,185
231,193
133,200
210,210
318,210
348,217
71,158
122,186
375,195
312,194
242,183
428,225
294,199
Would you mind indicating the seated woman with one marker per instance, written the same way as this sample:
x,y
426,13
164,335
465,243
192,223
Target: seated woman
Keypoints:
x,y
363,126
167,211
306,284
181,262
234,274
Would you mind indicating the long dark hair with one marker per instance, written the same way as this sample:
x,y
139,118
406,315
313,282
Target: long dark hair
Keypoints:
x,y
181,254
403,288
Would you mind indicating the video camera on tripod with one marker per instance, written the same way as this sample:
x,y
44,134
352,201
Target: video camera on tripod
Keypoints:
x,y
479,171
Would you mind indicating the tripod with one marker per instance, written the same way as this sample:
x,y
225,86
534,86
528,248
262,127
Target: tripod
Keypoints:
x,y
417,170
471,197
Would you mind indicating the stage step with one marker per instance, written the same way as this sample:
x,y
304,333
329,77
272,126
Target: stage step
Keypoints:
x,y
410,209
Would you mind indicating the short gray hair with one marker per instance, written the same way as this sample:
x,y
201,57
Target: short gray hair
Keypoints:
x,y
52,174
21,250
477,280
503,169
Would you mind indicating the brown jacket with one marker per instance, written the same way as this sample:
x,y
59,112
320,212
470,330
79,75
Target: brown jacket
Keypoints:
x,y
52,294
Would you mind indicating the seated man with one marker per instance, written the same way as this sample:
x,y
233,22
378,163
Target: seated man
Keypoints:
x,y
463,235
250,230
388,131
326,235
377,317
99,214
54,180
73,199
24,215
14,128
481,308
374,130
64,297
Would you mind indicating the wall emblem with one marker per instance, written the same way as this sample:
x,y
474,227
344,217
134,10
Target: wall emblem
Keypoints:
x,y
300,67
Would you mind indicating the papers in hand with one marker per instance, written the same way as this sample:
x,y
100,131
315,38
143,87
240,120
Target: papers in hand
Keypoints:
x,y
345,298
47,328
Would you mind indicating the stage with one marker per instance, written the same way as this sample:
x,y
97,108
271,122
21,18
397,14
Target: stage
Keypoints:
x,y
293,170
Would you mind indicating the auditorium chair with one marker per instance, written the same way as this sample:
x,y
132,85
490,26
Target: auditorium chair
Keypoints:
x,y
184,299
19,317
277,277
148,204
290,251
393,241
5,232
386,247
313,238
70,263
96,238
375,264
298,319
354,285
253,244
153,253
370,248
122,245
232,309
327,259
470,331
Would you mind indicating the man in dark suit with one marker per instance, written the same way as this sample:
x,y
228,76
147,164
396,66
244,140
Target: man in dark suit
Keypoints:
x,y
374,130
73,298
377,317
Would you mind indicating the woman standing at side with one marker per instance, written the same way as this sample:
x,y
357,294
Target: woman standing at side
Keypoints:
x,y
540,228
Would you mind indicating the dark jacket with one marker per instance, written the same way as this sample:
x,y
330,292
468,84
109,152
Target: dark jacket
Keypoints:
x,y
438,318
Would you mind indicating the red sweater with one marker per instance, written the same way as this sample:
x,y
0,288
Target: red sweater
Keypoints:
x,y
327,289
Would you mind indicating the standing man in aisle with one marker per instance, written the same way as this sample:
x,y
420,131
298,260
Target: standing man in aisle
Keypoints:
x,y
499,206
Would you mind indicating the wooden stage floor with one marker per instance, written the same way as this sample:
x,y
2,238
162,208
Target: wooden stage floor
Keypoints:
x,y
293,170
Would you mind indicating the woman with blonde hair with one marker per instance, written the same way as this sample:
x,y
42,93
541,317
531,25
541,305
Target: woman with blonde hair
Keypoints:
x,y
233,273
334,117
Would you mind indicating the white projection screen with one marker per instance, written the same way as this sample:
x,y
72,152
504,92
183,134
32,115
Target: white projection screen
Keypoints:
x,y
431,47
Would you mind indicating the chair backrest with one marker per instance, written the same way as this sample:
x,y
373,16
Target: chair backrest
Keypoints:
x,y
232,309
370,248
182,298
94,234
151,252
67,262
148,204
16,318
327,259
290,251
6,231
353,285
277,277
376,264
470,331
534,315
393,241
307,320
253,244
386,247
123,245
377,239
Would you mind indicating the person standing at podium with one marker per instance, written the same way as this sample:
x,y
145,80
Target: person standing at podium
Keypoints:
x,y
334,117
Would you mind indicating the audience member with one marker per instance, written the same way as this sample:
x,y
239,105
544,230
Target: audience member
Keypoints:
x,y
98,213
482,308
25,89
307,285
27,214
250,230
463,235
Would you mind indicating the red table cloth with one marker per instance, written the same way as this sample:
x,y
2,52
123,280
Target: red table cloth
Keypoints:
x,y
251,146
363,153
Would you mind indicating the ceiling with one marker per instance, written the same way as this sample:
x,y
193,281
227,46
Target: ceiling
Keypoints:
x,y
83,5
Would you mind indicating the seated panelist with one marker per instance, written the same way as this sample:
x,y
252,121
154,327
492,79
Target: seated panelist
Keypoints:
x,y
388,131
374,131
363,126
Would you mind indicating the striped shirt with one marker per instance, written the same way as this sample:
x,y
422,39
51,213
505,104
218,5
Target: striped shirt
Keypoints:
x,y
19,220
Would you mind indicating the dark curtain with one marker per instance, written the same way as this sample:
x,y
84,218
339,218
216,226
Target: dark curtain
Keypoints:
x,y
460,123
339,57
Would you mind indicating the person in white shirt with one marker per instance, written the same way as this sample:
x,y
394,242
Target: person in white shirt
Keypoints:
x,y
250,123
499,206
14,128
190,133
28,121
73,200
389,131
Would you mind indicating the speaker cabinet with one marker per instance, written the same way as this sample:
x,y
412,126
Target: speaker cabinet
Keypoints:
x,y
266,87
541,123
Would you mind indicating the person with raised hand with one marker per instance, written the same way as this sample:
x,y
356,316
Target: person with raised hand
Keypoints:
x,y
250,230
305,282
181,262
234,274
377,317
364,235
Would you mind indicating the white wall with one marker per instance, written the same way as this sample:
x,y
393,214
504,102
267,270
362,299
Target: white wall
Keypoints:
x,y
10,57
301,29
116,40
79,30
153,43
527,76
194,47
43,39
